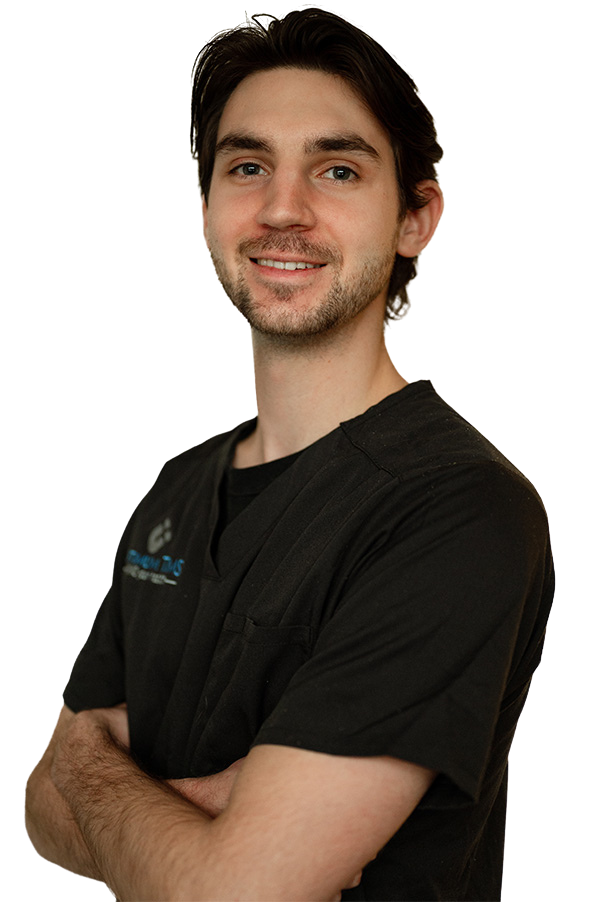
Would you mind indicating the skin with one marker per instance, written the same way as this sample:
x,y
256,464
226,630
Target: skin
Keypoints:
x,y
76,817
317,185
279,191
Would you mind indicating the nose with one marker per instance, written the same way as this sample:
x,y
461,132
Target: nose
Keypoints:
x,y
287,203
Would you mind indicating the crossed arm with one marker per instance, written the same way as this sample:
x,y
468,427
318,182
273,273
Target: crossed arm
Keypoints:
x,y
282,824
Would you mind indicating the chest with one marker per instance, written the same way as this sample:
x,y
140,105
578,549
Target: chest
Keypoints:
x,y
213,631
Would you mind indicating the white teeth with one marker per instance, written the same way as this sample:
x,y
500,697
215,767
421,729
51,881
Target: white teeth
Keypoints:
x,y
279,264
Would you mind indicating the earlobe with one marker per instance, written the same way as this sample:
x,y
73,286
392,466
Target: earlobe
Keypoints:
x,y
418,226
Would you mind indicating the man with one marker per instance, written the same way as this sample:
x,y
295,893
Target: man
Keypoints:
x,y
322,628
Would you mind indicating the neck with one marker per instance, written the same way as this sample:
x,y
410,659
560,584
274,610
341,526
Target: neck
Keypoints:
x,y
305,389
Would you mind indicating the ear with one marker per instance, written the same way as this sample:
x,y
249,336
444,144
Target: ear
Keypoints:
x,y
205,220
418,226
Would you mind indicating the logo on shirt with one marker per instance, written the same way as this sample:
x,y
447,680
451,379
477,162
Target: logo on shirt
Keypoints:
x,y
159,570
159,536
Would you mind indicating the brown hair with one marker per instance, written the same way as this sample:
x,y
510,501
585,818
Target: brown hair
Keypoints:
x,y
315,39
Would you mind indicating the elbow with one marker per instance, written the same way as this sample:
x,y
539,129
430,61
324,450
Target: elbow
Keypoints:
x,y
32,790
34,795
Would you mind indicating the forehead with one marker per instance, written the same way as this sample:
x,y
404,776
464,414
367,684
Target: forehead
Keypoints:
x,y
289,105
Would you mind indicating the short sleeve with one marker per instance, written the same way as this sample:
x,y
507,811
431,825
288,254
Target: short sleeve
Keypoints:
x,y
98,676
431,634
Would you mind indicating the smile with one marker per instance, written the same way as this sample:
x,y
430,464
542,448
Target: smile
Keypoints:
x,y
288,264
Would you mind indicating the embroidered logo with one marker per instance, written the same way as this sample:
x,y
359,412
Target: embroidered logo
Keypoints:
x,y
160,570
159,536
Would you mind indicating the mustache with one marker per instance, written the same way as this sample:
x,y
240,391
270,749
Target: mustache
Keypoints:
x,y
292,243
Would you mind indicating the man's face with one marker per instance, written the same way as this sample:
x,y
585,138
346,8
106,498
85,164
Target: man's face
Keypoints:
x,y
302,219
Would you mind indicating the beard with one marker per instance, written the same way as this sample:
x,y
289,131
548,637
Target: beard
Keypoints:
x,y
340,304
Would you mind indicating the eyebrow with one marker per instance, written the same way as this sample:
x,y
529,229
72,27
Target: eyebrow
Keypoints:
x,y
346,142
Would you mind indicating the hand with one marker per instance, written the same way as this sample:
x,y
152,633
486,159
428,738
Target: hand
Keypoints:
x,y
210,794
82,730
115,721
354,882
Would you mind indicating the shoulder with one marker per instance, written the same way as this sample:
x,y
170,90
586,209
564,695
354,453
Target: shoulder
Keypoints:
x,y
443,470
415,435
414,432
184,477
211,452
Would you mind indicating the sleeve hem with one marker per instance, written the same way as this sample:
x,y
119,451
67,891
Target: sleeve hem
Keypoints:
x,y
451,789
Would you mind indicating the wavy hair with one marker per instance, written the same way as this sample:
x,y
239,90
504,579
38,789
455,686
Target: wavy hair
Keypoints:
x,y
318,40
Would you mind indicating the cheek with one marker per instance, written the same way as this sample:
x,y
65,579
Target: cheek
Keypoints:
x,y
388,225
224,230
375,234
379,212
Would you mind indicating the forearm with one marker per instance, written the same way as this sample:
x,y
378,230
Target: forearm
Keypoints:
x,y
52,828
141,834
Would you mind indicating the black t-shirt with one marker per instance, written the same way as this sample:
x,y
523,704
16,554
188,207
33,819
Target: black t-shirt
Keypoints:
x,y
386,594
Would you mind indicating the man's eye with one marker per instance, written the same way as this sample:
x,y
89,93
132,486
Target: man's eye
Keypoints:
x,y
248,169
340,174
